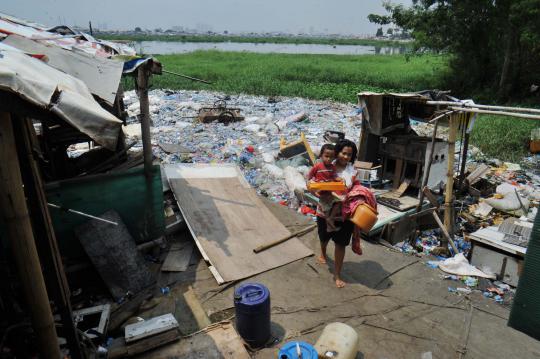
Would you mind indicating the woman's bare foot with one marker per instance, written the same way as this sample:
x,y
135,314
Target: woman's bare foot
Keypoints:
x,y
321,259
340,283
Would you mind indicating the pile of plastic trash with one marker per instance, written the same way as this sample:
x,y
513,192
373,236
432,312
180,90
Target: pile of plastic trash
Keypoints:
x,y
253,143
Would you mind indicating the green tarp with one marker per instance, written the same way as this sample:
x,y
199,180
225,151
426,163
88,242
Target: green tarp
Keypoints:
x,y
138,201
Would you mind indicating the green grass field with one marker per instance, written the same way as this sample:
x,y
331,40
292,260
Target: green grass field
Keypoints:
x,y
506,138
335,77
253,39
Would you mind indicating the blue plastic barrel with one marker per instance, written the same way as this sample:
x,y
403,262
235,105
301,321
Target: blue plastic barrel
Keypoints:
x,y
252,305
290,351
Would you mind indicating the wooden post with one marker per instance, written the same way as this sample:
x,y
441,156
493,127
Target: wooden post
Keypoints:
x,y
427,169
14,212
448,199
143,74
49,254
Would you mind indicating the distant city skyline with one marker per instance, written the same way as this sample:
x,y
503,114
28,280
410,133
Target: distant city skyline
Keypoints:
x,y
343,17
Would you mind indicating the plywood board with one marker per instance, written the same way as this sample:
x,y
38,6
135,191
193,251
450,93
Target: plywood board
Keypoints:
x,y
228,220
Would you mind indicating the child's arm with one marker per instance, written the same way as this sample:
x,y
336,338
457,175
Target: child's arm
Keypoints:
x,y
312,172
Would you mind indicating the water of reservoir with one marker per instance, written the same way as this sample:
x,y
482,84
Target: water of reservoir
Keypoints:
x,y
166,47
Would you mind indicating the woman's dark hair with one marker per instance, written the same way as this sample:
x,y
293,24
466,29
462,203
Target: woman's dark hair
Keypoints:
x,y
346,143
326,146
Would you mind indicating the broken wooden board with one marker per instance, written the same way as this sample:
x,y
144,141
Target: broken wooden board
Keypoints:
x,y
402,203
398,193
218,341
227,220
114,253
478,173
175,148
178,258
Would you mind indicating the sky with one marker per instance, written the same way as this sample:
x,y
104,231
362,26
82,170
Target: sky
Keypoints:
x,y
290,16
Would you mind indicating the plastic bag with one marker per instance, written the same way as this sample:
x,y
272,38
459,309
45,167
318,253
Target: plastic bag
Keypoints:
x,y
348,175
511,202
294,180
269,157
273,170
252,128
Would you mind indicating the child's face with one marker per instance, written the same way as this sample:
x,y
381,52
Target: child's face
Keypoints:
x,y
328,156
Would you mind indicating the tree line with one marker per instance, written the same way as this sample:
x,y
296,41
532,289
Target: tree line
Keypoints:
x,y
493,45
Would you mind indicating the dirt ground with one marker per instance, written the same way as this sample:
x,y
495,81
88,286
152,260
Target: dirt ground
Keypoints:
x,y
400,307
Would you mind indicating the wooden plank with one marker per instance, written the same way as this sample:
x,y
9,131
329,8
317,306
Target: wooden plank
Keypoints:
x,y
17,224
228,220
478,173
47,246
152,342
397,174
177,259
196,308
218,341
405,202
431,197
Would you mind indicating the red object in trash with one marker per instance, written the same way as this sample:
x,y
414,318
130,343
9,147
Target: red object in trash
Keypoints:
x,y
250,149
283,203
307,210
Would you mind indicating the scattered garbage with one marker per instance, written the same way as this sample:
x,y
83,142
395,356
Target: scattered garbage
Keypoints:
x,y
254,143
277,141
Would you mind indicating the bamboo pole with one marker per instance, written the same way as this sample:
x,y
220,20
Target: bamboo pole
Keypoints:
x,y
453,123
497,113
440,116
486,107
14,212
284,239
187,77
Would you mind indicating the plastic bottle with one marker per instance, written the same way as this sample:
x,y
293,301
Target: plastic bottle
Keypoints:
x,y
337,341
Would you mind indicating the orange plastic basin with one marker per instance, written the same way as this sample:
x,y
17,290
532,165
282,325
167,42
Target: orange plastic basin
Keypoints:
x,y
326,186
364,217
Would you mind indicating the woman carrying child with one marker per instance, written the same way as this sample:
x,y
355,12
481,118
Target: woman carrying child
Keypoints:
x,y
345,155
